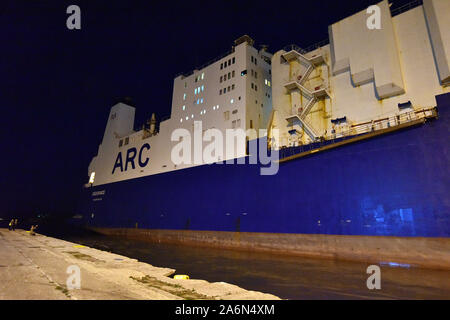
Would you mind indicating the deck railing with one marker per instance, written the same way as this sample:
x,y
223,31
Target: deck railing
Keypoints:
x,y
359,129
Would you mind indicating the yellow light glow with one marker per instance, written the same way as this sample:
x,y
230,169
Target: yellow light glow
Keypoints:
x,y
91,179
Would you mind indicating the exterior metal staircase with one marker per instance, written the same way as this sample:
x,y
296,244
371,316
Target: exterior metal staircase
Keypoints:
x,y
292,53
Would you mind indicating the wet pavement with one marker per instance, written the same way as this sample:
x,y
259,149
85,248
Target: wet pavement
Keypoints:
x,y
284,276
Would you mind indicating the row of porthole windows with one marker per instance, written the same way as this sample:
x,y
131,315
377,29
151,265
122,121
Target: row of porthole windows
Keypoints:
x,y
198,101
202,112
227,76
124,142
197,78
199,89
227,63
224,90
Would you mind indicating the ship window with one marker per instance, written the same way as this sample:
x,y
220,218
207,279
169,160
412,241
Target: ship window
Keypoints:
x,y
256,75
220,92
256,61
226,115
235,111
256,87
243,72
203,88
229,62
251,124
252,72
195,91
229,75
185,84
232,74
229,87
127,139
120,143
233,124
203,75
232,87
181,120
239,123
404,105
221,79
184,96
252,58
253,85
224,90
184,107
225,64
232,101
234,59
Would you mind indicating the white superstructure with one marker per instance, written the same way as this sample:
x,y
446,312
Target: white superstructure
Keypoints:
x,y
230,93
364,79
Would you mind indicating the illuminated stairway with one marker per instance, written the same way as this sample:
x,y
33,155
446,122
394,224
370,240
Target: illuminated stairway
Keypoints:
x,y
294,52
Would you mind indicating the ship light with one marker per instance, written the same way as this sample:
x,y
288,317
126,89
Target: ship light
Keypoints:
x,y
91,178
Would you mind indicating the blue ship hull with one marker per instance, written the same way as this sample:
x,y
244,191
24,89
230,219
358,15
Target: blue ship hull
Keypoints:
x,y
391,185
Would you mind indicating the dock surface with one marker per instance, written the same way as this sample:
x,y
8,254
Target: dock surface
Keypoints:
x,y
38,268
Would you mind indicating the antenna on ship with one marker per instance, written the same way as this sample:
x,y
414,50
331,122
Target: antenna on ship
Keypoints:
x,y
151,131
244,38
153,124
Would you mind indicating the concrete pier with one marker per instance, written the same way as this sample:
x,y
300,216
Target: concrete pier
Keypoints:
x,y
38,267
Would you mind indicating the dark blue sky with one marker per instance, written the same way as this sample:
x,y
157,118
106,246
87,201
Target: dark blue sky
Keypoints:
x,y
57,85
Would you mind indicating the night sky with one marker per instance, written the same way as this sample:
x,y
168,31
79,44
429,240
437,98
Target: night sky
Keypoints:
x,y
57,85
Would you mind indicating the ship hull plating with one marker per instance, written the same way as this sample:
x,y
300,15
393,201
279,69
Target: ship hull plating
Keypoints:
x,y
392,185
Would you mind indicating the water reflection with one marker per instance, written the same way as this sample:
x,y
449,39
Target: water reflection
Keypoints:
x,y
286,277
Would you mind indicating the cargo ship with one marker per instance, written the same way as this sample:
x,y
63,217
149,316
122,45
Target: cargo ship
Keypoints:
x,y
356,129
